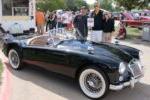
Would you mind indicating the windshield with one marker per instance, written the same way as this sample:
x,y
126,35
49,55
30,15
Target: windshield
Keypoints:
x,y
52,38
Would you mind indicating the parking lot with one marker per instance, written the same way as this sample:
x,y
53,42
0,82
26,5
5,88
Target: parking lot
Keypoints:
x,y
37,84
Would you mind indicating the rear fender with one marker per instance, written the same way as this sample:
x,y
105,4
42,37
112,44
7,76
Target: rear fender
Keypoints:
x,y
13,46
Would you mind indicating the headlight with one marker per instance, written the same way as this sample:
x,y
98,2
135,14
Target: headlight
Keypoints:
x,y
122,68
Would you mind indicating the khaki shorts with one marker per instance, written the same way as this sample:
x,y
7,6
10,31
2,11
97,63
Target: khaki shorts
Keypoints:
x,y
107,37
40,29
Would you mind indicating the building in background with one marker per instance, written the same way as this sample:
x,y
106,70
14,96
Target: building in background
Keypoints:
x,y
17,16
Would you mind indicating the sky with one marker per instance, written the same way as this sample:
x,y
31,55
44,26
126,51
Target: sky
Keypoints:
x,y
90,1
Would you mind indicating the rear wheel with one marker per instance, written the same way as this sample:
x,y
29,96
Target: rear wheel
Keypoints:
x,y
14,59
93,83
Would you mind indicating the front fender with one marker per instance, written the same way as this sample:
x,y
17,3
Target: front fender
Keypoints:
x,y
108,66
131,51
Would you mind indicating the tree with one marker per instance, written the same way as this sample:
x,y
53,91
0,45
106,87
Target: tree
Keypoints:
x,y
60,4
70,4
80,3
132,4
75,4
106,4
51,5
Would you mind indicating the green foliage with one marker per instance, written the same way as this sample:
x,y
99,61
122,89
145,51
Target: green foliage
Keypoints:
x,y
133,33
106,4
51,5
132,4
1,69
70,4
75,4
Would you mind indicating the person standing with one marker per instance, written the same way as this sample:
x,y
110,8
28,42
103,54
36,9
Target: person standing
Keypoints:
x,y
59,20
80,23
70,19
47,20
121,35
108,27
97,33
49,25
121,17
112,25
54,20
65,19
40,22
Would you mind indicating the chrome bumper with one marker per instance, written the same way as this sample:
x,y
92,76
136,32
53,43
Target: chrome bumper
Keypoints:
x,y
130,83
137,72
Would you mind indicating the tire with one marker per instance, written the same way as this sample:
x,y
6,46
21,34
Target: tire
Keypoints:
x,y
93,83
14,59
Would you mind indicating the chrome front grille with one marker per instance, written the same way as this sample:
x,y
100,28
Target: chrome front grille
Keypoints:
x,y
136,68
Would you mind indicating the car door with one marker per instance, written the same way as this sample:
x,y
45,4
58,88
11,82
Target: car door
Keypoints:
x,y
48,58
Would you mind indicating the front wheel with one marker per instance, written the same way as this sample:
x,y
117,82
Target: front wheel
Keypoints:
x,y
14,59
93,83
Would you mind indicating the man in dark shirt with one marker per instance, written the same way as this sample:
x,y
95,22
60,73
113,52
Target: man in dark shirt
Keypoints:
x,y
108,27
98,23
80,23
98,18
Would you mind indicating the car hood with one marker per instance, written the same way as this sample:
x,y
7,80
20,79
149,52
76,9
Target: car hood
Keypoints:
x,y
112,52
102,51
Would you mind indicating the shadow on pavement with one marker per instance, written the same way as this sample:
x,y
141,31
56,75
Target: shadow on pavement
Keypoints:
x,y
69,89
56,83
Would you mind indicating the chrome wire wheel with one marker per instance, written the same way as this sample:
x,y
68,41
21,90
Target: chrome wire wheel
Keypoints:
x,y
14,59
93,83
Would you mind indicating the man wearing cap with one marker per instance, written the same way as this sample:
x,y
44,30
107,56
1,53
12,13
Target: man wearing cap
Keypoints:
x,y
80,23
97,14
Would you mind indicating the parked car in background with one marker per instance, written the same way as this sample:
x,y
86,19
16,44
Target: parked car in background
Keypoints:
x,y
116,15
135,20
97,67
146,13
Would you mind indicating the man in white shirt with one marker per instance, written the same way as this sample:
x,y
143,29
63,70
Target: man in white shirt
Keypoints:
x,y
97,33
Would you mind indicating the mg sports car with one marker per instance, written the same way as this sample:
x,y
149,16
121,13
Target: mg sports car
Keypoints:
x,y
97,67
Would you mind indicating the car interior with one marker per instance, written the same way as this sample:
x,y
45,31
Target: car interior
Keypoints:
x,y
44,40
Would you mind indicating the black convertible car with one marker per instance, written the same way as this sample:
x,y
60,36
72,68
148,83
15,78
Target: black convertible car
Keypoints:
x,y
98,67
